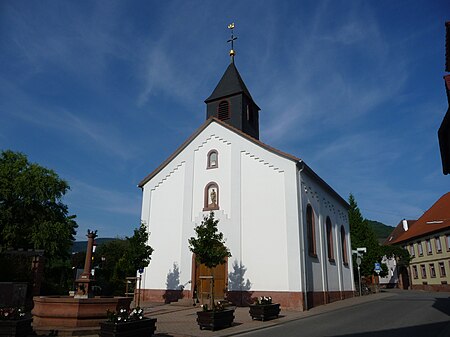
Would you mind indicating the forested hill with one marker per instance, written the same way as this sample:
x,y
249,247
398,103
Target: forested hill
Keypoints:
x,y
381,230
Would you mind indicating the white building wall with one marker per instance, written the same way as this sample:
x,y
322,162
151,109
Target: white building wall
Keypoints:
x,y
255,212
259,215
164,216
321,274
391,278
264,225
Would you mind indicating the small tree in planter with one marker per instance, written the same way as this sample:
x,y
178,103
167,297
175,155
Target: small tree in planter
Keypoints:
x,y
209,249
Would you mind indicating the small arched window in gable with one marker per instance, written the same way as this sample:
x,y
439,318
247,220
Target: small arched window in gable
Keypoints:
x,y
213,159
223,111
329,240
310,228
211,197
344,246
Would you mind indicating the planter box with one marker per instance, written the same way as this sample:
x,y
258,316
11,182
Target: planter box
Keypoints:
x,y
215,319
16,328
265,311
140,328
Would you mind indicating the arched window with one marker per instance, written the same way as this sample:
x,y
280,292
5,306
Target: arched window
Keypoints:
x,y
223,111
310,228
329,240
213,158
344,246
211,197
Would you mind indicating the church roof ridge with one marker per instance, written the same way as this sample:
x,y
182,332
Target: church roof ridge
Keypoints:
x,y
286,155
198,131
299,162
230,84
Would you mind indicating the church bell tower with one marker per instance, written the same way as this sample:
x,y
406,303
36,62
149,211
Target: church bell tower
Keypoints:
x,y
231,101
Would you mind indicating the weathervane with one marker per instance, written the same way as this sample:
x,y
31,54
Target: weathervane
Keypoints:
x,y
232,39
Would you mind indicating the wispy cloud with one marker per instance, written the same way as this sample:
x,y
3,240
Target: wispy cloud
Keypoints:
x,y
337,91
89,196
79,127
81,42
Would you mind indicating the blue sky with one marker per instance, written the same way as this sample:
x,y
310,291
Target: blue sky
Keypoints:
x,y
103,91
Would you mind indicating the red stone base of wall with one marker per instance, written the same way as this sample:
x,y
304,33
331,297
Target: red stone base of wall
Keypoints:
x,y
164,296
431,287
316,298
287,299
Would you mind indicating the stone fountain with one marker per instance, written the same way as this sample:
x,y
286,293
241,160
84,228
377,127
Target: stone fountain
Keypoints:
x,y
79,314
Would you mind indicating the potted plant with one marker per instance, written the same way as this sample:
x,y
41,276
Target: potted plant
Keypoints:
x,y
14,322
209,249
126,323
264,309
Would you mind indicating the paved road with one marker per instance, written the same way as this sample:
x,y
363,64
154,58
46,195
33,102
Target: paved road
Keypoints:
x,y
407,313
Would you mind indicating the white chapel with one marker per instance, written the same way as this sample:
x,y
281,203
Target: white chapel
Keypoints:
x,y
286,228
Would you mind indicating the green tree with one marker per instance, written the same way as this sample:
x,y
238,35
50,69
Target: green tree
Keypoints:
x,y
209,246
362,235
122,258
32,214
138,254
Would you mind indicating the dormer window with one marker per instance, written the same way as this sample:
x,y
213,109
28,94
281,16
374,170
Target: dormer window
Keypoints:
x,y
213,158
223,112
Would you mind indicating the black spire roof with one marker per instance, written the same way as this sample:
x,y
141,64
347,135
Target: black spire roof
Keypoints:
x,y
230,84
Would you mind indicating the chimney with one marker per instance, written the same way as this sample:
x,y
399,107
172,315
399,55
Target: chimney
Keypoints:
x,y
405,225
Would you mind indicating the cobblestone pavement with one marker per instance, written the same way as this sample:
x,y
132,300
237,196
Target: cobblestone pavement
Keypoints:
x,y
177,321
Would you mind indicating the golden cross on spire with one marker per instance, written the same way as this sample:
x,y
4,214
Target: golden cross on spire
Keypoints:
x,y
231,40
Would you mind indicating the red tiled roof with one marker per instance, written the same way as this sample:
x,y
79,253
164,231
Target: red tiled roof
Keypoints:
x,y
435,219
397,232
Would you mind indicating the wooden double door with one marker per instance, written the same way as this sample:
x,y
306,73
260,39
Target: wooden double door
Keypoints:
x,y
203,281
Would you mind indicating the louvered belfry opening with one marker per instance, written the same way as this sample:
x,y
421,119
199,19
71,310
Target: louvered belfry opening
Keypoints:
x,y
223,111
231,103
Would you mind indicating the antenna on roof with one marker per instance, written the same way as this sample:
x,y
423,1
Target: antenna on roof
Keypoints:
x,y
231,40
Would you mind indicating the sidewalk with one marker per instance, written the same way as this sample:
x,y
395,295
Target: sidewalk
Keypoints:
x,y
178,321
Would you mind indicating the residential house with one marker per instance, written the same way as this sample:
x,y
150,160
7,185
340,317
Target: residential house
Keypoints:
x,y
428,243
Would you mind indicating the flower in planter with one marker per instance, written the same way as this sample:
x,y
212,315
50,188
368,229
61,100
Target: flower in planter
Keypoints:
x,y
263,300
10,314
218,306
124,315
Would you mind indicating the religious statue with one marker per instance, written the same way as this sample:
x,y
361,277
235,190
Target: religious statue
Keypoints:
x,y
213,197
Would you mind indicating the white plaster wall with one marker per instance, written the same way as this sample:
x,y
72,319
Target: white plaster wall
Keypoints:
x,y
313,266
258,211
392,277
323,275
163,214
203,176
264,248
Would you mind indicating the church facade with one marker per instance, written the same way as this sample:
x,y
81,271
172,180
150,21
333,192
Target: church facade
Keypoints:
x,y
286,228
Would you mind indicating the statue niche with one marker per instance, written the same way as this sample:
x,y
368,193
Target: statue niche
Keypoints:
x,y
211,197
